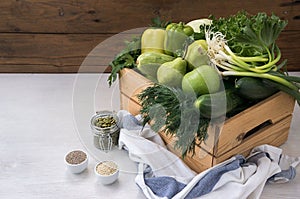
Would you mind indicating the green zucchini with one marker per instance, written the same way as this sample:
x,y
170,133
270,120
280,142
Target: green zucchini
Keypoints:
x,y
218,104
254,89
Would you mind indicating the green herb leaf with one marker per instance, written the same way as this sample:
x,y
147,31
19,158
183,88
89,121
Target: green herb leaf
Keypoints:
x,y
172,111
157,22
125,59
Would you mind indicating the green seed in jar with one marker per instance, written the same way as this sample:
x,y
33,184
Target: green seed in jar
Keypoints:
x,y
105,122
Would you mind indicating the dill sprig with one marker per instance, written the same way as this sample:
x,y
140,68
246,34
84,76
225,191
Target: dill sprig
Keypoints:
x,y
173,112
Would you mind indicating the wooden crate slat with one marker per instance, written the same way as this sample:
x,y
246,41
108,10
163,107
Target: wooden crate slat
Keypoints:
x,y
272,109
275,135
129,105
200,161
132,83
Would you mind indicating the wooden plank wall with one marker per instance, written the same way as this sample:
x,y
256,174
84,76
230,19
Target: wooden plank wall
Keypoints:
x,y
56,36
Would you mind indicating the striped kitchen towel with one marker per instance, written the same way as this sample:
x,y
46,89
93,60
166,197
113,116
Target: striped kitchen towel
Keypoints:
x,y
162,175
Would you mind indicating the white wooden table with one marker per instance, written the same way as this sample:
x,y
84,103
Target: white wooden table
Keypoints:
x,y
43,116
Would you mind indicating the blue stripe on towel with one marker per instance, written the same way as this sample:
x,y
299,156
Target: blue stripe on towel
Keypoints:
x,y
164,186
169,187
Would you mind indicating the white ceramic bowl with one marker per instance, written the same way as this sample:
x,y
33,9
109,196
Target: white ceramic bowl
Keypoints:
x,y
109,172
76,167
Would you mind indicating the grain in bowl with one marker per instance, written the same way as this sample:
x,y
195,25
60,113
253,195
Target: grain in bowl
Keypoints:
x,y
107,172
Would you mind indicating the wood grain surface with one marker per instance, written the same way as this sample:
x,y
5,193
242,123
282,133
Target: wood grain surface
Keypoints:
x,y
56,36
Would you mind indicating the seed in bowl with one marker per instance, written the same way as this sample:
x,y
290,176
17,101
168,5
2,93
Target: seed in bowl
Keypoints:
x,y
76,157
106,168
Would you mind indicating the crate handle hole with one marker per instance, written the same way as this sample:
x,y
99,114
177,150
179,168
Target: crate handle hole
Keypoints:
x,y
254,130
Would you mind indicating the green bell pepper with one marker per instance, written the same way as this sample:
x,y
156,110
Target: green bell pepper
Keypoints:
x,y
153,40
176,36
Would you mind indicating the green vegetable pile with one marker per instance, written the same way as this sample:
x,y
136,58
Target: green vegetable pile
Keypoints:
x,y
202,73
245,45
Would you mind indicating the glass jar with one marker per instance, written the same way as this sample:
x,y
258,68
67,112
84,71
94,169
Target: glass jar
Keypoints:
x,y
104,125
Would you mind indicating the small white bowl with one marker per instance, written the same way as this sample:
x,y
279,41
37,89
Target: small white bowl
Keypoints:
x,y
77,167
109,172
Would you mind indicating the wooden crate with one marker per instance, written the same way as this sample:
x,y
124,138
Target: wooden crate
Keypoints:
x,y
267,122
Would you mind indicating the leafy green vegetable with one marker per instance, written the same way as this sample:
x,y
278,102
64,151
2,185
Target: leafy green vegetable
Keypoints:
x,y
249,35
245,45
125,59
170,110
